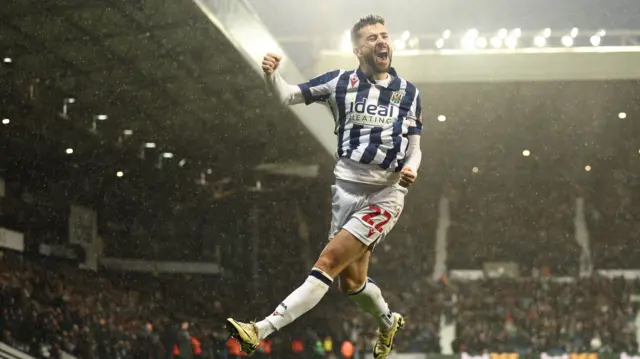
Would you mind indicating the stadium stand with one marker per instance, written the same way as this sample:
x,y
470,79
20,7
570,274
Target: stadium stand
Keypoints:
x,y
124,138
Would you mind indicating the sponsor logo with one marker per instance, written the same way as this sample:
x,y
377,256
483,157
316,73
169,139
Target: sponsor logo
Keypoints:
x,y
365,113
354,82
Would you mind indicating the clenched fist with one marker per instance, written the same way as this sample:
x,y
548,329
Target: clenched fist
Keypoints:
x,y
407,177
270,63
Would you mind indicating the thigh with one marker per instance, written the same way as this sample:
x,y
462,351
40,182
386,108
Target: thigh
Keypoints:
x,y
373,222
355,274
341,251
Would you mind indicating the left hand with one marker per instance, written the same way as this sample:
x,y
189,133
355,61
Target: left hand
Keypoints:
x,y
408,177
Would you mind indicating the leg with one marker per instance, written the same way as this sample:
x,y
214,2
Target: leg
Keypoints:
x,y
375,222
365,292
341,251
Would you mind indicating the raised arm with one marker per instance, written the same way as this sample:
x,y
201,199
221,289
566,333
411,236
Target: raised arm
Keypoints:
x,y
288,94
318,89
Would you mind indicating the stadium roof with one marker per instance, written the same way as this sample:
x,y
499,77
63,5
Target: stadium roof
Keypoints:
x,y
158,71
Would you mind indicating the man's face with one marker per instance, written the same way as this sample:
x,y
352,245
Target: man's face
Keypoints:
x,y
374,48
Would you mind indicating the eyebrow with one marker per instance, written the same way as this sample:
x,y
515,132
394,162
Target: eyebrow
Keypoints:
x,y
374,34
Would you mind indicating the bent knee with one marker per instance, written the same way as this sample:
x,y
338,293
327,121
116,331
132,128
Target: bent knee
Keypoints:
x,y
328,264
350,285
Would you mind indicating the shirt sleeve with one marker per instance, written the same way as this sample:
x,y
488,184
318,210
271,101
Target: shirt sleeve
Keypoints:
x,y
288,94
320,88
414,154
415,116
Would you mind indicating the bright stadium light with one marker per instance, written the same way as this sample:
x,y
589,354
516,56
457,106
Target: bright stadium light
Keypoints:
x,y
622,115
446,34
587,168
5,121
481,42
496,42
150,145
69,151
440,43
595,40
574,32
526,153
502,33
540,41
7,60
345,45
517,32
567,41
119,174
65,106
511,42
405,35
601,32
128,132
167,155
468,43
472,33
475,169
400,44
546,33
182,162
94,123
442,118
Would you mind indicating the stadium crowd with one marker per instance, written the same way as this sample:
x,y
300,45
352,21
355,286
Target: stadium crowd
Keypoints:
x,y
524,316
49,307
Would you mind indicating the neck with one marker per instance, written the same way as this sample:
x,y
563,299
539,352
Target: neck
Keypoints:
x,y
373,75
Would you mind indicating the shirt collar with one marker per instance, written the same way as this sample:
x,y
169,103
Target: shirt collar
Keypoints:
x,y
393,86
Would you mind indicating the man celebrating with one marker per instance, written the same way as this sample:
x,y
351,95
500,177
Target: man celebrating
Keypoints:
x,y
378,123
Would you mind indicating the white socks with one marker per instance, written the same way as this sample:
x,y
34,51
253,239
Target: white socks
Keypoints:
x,y
308,295
369,298
300,301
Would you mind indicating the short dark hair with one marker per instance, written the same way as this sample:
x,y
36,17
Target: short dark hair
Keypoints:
x,y
364,21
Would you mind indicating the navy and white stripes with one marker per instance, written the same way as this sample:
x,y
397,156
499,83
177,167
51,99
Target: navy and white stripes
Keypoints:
x,y
373,120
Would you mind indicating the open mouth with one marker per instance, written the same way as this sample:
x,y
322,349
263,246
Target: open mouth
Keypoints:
x,y
382,56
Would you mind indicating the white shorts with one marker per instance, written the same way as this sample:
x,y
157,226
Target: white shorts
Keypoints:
x,y
368,212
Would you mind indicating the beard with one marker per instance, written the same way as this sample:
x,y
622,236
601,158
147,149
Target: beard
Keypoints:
x,y
379,65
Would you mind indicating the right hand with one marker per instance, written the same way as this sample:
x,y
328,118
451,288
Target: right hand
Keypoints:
x,y
270,63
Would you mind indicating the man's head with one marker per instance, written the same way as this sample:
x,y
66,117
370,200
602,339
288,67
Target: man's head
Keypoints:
x,y
371,44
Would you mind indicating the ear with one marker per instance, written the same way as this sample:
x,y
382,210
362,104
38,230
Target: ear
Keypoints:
x,y
356,51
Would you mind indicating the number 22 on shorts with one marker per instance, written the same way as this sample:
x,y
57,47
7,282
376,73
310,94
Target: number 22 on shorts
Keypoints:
x,y
377,219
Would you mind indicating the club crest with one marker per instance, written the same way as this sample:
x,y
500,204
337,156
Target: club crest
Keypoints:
x,y
396,98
